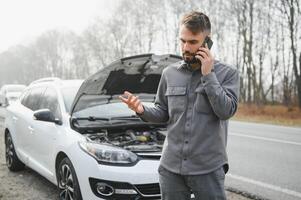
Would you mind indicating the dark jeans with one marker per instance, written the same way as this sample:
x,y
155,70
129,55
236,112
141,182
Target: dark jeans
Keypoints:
x,y
204,187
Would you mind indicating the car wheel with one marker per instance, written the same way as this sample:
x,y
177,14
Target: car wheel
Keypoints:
x,y
12,161
67,181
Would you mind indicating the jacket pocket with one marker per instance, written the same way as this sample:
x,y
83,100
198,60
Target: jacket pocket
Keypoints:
x,y
176,97
202,104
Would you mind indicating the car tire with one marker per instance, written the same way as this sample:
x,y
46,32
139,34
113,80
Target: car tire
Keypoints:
x,y
67,181
12,161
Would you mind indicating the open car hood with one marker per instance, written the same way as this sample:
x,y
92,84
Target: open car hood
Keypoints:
x,y
137,74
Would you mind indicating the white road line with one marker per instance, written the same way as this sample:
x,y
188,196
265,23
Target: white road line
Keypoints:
x,y
265,138
265,185
267,125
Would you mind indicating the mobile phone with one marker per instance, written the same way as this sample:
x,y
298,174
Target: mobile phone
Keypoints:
x,y
209,43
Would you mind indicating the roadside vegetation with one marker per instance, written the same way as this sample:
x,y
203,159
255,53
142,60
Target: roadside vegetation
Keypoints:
x,y
271,114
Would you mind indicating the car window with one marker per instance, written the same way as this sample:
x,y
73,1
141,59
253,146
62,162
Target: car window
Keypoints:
x,y
69,94
24,96
32,99
50,101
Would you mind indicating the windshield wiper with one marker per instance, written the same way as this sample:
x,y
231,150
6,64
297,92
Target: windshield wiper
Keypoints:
x,y
131,117
91,118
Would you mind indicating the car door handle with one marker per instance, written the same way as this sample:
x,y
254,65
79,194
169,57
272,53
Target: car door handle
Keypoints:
x,y
30,129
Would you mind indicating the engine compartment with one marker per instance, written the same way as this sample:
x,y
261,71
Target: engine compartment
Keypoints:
x,y
137,141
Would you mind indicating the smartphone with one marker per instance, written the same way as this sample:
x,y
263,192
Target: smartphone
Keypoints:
x,y
209,43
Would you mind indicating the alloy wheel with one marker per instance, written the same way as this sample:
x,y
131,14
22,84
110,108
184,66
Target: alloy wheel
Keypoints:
x,y
9,151
66,184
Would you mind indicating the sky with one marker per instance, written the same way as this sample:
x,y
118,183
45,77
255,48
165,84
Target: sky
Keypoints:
x,y
23,20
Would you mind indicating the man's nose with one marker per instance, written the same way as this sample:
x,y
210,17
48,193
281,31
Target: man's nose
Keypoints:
x,y
186,47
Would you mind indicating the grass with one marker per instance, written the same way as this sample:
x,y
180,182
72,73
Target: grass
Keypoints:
x,y
271,114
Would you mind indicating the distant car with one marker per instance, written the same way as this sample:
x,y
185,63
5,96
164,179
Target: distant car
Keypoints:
x,y
9,94
87,141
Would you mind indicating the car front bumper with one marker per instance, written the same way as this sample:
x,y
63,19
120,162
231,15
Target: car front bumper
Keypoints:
x,y
140,181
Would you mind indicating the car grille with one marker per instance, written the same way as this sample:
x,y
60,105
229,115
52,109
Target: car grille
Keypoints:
x,y
149,189
152,156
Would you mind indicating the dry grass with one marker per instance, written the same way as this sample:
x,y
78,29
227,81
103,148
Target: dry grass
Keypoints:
x,y
272,114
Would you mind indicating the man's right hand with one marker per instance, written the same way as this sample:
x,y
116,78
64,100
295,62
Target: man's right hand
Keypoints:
x,y
133,102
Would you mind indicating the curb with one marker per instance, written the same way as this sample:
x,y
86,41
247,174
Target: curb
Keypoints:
x,y
246,194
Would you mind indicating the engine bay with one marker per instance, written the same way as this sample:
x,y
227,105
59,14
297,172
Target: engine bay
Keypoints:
x,y
137,141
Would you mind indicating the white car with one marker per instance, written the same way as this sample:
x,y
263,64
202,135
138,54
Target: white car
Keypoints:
x,y
87,141
9,94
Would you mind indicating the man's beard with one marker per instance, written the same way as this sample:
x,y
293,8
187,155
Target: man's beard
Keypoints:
x,y
192,59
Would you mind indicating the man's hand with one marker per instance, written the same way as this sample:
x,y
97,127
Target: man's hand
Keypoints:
x,y
205,56
133,102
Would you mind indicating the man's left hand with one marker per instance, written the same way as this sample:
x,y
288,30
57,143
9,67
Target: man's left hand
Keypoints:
x,y
205,56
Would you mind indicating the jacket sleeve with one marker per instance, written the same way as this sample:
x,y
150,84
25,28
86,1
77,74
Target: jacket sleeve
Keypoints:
x,y
223,97
159,112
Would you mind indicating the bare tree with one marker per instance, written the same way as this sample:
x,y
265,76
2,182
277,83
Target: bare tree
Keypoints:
x,y
260,38
291,10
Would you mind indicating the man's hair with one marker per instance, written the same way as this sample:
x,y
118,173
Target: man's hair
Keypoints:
x,y
196,22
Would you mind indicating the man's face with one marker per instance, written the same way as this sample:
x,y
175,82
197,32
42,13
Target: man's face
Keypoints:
x,y
190,42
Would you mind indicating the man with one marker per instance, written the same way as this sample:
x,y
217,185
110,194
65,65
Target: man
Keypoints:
x,y
196,97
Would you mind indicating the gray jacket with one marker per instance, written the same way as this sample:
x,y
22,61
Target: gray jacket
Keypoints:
x,y
196,109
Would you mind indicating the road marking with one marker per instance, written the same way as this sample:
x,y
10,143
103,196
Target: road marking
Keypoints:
x,y
267,125
266,185
265,138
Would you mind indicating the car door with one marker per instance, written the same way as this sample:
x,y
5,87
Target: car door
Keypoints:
x,y
45,134
2,108
23,117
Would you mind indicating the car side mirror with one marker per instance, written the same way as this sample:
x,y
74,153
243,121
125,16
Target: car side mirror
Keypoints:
x,y
47,116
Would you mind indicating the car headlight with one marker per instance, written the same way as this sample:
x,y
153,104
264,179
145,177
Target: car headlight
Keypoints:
x,y
108,154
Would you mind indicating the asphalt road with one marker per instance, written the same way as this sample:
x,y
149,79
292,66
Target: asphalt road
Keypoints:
x,y
265,160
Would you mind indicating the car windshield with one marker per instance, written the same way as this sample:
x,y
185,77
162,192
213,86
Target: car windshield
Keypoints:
x,y
14,88
108,110
12,96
